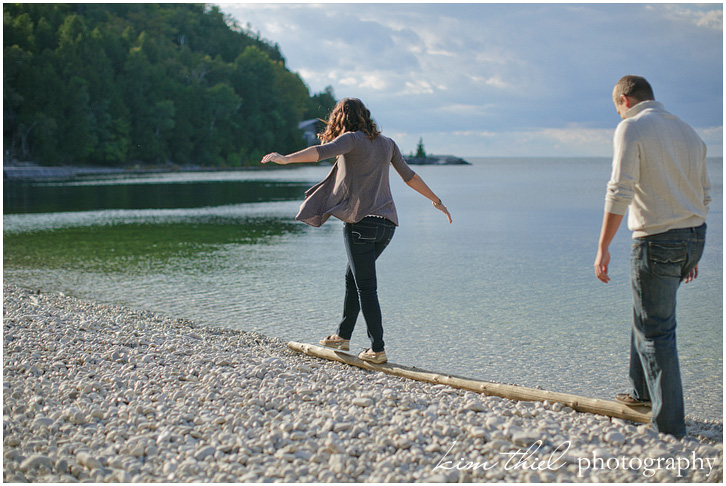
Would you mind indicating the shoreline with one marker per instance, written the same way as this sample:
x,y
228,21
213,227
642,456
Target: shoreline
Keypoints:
x,y
29,172
38,174
111,394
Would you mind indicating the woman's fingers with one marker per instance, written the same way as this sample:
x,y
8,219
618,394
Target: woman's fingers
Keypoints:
x,y
446,212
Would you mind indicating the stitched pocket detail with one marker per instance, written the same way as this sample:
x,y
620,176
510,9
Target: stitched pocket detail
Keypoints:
x,y
363,233
667,258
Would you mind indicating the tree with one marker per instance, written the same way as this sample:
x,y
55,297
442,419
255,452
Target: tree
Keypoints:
x,y
420,152
118,84
321,104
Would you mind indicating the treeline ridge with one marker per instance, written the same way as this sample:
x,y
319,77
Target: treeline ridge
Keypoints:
x,y
122,84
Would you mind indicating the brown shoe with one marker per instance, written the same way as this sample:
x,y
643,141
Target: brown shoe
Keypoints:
x,y
373,357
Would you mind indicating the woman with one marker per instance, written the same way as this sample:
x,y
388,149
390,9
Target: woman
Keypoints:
x,y
357,191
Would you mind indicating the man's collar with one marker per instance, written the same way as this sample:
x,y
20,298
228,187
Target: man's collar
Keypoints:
x,y
643,105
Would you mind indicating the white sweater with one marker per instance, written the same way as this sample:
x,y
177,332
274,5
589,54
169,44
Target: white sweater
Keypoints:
x,y
659,172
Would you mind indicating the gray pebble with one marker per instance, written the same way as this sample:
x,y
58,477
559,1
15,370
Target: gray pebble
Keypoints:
x,y
35,461
615,438
205,452
363,402
87,460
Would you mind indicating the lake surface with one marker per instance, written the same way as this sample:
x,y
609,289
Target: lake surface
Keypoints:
x,y
506,293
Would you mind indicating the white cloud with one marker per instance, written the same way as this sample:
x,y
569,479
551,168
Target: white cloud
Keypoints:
x,y
709,19
712,20
578,136
537,75
466,109
373,81
711,134
713,137
474,133
495,81
420,87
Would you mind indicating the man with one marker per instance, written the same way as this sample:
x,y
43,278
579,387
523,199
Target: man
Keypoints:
x,y
659,174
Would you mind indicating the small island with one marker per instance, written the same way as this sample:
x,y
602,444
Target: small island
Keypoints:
x,y
421,158
437,160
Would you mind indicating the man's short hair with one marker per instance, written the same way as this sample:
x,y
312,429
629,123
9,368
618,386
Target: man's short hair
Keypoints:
x,y
633,86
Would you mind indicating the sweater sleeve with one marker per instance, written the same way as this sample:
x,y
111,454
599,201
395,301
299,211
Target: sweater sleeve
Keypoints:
x,y
626,170
341,145
399,163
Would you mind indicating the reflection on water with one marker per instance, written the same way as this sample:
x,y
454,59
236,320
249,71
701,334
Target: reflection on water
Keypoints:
x,y
506,293
159,192
138,247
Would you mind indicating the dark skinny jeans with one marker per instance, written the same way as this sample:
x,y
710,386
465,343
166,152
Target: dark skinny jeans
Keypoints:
x,y
364,243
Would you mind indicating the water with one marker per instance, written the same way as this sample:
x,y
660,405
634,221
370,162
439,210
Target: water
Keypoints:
x,y
507,293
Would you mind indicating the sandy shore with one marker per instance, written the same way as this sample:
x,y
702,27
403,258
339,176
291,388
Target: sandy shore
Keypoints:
x,y
101,393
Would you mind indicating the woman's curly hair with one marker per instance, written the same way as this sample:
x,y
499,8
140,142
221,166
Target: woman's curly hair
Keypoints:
x,y
349,115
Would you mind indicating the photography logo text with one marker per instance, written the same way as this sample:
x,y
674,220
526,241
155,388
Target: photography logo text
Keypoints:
x,y
533,460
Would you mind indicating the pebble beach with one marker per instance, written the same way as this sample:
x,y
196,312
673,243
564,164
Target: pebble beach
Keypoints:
x,y
103,393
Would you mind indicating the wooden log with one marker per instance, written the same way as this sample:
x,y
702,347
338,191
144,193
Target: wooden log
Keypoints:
x,y
520,393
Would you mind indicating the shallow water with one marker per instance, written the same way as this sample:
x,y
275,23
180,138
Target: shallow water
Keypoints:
x,y
507,293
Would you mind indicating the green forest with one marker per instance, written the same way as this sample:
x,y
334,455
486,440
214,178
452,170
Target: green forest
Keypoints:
x,y
118,85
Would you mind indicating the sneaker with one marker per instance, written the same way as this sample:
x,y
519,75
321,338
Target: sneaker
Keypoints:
x,y
373,357
343,345
628,399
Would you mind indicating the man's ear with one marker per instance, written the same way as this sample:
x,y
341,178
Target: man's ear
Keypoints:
x,y
627,101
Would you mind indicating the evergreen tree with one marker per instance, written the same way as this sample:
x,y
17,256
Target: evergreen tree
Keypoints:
x,y
117,84
420,152
321,104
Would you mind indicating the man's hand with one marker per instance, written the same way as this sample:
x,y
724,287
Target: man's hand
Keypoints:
x,y
693,275
602,261
610,224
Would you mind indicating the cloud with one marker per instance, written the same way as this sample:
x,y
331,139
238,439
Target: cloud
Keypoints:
x,y
711,134
579,138
685,14
713,137
712,20
532,73
511,143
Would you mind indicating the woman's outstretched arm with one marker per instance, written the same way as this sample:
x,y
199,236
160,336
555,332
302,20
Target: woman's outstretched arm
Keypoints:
x,y
309,154
418,185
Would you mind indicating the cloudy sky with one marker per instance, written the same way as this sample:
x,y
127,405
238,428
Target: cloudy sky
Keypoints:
x,y
487,79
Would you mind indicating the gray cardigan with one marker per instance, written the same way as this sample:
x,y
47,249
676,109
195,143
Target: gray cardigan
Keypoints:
x,y
357,186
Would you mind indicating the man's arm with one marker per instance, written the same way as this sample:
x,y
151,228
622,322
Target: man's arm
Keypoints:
x,y
610,224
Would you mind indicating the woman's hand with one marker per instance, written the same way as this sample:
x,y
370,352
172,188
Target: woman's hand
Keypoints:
x,y
274,157
418,185
440,206
305,155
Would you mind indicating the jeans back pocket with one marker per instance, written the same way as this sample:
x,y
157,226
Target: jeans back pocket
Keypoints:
x,y
667,258
362,233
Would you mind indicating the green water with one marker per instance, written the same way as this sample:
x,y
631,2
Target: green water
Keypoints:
x,y
143,244
159,191
135,247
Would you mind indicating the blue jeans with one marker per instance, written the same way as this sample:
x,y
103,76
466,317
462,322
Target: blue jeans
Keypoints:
x,y
659,263
364,243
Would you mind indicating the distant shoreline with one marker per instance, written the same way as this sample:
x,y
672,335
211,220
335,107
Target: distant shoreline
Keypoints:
x,y
436,160
34,173
30,172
